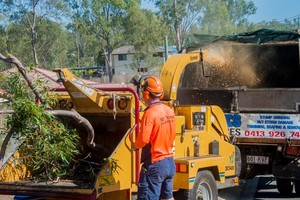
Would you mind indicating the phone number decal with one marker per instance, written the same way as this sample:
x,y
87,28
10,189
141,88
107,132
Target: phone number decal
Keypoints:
x,y
263,125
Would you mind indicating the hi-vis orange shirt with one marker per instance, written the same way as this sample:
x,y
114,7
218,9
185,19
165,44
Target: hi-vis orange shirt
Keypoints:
x,y
158,131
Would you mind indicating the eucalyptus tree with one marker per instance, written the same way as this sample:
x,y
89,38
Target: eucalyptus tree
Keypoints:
x,y
145,31
87,50
3,44
180,15
205,16
226,16
32,13
19,42
216,19
48,146
53,44
105,20
4,22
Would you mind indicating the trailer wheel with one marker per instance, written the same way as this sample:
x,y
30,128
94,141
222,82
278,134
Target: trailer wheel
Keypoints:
x,y
182,194
284,186
297,187
205,186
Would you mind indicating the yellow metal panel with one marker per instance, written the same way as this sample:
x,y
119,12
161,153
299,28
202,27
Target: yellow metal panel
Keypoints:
x,y
181,181
187,112
180,122
172,71
220,121
186,180
124,176
184,148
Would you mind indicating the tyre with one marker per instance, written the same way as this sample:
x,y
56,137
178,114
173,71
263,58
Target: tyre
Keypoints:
x,y
205,188
284,186
297,187
183,194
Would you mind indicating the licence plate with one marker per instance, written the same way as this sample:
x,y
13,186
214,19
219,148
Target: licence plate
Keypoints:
x,y
258,160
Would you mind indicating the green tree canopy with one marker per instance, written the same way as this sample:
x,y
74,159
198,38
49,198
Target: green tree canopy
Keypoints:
x,y
145,32
31,13
180,16
104,19
206,16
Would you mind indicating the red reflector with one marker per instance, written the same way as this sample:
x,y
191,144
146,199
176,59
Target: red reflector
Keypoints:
x,y
291,151
110,103
122,104
181,167
177,167
128,194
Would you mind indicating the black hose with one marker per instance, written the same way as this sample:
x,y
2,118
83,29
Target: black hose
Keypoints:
x,y
82,122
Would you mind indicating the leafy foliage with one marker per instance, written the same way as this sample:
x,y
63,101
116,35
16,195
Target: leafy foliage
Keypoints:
x,y
104,19
48,146
31,14
231,18
180,16
86,50
53,45
113,163
144,38
97,27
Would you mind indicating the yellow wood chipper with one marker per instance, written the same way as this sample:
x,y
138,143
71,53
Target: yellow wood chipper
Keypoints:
x,y
104,116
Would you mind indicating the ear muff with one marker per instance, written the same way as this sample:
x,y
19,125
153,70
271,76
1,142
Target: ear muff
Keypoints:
x,y
146,95
151,86
145,92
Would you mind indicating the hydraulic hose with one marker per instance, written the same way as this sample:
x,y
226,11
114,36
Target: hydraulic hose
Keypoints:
x,y
82,122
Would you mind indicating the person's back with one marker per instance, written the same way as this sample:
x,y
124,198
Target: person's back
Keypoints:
x,y
156,138
160,118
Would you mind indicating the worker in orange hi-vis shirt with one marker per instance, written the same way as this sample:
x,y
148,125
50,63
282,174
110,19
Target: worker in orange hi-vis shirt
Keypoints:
x,y
156,138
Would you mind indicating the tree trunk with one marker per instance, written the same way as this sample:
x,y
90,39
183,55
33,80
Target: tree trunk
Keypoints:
x,y
77,42
33,44
108,58
7,49
11,59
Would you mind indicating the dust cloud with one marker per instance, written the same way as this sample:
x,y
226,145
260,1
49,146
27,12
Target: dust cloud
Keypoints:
x,y
231,66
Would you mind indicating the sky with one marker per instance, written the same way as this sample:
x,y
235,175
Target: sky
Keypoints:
x,y
275,9
267,10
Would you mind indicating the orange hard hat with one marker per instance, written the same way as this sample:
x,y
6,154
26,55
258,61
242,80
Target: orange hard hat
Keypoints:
x,y
153,85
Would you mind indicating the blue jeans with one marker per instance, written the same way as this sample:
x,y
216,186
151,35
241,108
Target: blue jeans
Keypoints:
x,y
156,180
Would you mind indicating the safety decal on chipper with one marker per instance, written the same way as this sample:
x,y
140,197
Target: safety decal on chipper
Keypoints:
x,y
192,180
230,166
222,175
79,84
271,126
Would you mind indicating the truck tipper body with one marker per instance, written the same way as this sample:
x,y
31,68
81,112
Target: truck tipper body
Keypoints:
x,y
257,85
108,168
